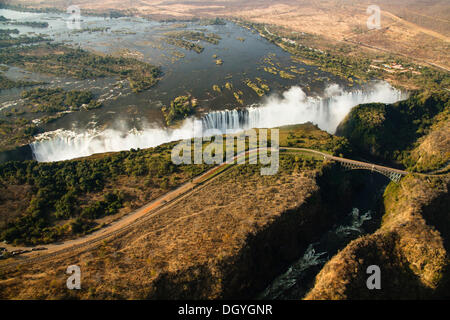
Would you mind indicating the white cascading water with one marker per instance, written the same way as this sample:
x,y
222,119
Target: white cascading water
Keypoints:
x,y
294,107
61,144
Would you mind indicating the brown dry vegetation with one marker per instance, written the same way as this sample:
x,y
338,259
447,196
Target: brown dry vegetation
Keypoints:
x,y
411,249
216,243
412,28
433,150
14,200
412,245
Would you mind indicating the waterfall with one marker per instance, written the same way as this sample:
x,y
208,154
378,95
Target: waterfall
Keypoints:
x,y
61,144
293,107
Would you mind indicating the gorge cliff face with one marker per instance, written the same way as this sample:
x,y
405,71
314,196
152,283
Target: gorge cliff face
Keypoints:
x,y
215,244
411,248
388,132
268,251
412,245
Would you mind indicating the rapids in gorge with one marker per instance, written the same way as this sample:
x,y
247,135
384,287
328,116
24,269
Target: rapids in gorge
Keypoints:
x,y
292,107
364,218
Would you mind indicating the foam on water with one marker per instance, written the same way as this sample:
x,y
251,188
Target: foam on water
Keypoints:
x,y
293,107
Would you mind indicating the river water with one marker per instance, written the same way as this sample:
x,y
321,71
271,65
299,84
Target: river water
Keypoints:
x,y
134,120
365,217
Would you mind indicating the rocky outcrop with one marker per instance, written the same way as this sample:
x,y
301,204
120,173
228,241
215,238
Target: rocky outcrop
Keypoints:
x,y
388,131
214,244
411,248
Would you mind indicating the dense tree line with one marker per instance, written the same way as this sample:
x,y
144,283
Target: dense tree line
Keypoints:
x,y
54,100
390,130
32,24
81,64
6,40
180,108
184,44
60,190
6,83
8,31
194,36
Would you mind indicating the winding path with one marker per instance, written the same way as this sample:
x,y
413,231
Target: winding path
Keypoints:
x,y
148,211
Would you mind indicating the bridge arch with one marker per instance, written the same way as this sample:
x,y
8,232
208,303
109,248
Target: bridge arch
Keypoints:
x,y
390,174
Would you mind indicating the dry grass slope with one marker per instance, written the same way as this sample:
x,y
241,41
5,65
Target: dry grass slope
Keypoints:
x,y
192,249
411,247
412,28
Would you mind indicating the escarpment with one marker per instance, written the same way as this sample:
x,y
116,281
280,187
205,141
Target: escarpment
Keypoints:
x,y
412,245
411,248
388,132
268,250
212,244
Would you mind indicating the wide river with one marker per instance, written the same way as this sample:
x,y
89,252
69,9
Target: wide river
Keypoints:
x,y
134,120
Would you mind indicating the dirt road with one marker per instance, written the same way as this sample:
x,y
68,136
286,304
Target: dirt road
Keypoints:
x,y
151,209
